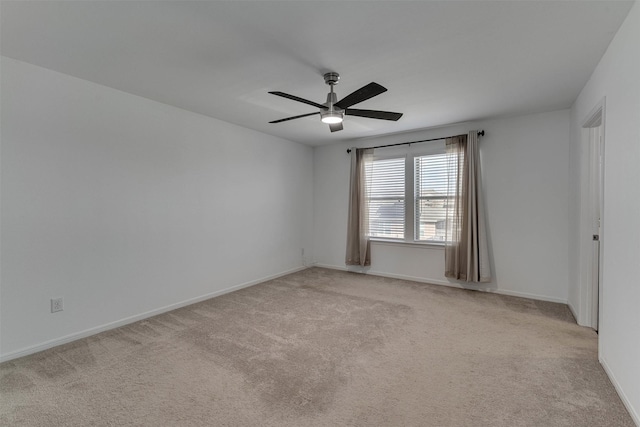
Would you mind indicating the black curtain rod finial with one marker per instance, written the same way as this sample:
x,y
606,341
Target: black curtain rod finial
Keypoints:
x,y
480,133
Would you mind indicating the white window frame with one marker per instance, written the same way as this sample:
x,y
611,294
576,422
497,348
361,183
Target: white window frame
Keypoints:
x,y
435,147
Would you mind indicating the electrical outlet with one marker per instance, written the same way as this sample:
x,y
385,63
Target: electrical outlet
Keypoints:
x,y
56,305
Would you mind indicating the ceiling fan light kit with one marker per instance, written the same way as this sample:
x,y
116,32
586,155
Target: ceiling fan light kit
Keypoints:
x,y
331,117
333,111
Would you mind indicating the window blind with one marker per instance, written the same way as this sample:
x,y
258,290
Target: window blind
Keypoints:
x,y
386,196
430,196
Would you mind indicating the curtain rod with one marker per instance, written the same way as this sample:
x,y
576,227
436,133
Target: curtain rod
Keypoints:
x,y
480,133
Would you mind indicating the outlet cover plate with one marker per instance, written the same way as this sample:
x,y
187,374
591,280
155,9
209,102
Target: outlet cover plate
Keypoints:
x,y
56,305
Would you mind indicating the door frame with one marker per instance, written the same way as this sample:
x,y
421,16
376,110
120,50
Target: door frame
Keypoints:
x,y
591,302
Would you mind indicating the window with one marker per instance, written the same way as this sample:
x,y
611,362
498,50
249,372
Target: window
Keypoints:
x,y
386,198
407,195
430,196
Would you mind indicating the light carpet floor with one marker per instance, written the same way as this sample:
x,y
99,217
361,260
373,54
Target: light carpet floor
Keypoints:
x,y
325,348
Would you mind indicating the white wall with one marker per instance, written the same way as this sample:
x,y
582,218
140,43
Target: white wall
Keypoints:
x,y
125,206
525,177
616,78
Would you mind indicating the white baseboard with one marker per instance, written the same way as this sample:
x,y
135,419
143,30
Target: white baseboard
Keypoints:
x,y
625,400
574,313
122,322
331,267
447,283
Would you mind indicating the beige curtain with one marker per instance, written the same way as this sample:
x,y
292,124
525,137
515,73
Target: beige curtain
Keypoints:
x,y
466,250
358,245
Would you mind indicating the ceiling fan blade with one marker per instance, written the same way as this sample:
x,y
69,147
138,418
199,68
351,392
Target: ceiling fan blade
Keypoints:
x,y
374,114
335,127
295,117
296,98
362,94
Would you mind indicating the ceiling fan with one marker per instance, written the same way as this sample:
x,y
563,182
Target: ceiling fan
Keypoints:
x,y
332,112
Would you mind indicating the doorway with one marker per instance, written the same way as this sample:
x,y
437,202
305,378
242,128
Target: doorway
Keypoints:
x,y
594,135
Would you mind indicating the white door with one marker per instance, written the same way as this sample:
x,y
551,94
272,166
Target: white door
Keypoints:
x,y
595,190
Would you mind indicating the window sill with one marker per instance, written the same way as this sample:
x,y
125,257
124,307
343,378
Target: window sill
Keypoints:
x,y
425,245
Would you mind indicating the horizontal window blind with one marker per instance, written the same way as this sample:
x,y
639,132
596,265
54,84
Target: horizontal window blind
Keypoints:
x,y
430,196
386,196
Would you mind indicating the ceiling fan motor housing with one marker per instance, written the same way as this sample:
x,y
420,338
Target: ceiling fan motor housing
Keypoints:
x,y
332,114
332,98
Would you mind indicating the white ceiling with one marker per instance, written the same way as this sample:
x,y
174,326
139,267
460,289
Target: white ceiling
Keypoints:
x,y
442,62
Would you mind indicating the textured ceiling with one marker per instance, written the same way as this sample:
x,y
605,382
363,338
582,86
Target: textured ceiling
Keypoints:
x,y
442,62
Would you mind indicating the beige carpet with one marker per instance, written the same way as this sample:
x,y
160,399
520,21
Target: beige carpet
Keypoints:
x,y
325,348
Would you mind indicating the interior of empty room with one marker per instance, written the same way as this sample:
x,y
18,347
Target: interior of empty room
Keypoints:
x,y
140,173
